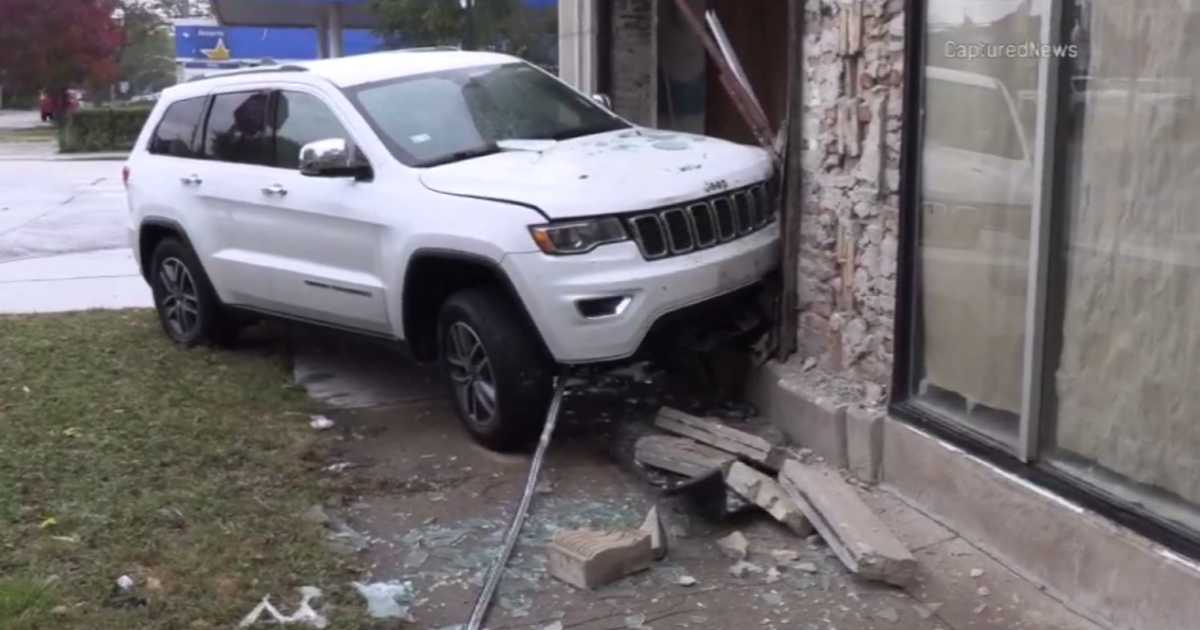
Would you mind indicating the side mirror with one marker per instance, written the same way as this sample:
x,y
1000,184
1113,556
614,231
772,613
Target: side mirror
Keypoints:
x,y
333,157
603,101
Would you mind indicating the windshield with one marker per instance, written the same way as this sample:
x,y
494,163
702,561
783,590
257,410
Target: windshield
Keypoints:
x,y
454,115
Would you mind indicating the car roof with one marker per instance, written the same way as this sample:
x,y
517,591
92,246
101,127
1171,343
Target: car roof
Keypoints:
x,y
349,71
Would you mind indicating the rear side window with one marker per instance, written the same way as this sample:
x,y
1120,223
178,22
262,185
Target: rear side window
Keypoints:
x,y
237,129
176,132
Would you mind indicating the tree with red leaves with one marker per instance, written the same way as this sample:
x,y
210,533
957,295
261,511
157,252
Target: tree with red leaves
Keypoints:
x,y
58,45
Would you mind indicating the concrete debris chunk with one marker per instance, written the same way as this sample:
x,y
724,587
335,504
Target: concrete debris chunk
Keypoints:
x,y
681,456
735,546
743,569
976,573
589,559
785,556
718,435
765,492
653,526
854,533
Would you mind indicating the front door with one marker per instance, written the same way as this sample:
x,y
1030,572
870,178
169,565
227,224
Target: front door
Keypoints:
x,y
324,233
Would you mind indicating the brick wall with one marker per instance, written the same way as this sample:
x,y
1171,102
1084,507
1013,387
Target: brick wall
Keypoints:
x,y
853,56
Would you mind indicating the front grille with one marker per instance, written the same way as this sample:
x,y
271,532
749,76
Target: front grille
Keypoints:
x,y
704,223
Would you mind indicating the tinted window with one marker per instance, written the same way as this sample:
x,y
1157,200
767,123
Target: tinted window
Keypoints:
x,y
237,129
176,133
299,119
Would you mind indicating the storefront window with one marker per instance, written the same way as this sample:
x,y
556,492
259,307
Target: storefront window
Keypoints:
x,y
1125,415
977,182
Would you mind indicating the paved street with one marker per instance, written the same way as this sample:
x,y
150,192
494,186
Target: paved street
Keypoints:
x,y
63,240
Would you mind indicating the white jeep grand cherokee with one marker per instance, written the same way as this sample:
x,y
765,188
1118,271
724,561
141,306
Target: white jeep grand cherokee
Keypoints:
x,y
466,203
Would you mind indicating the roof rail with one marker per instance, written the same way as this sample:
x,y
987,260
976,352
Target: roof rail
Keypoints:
x,y
251,70
430,49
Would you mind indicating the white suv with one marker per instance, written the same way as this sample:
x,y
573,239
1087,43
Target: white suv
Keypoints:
x,y
469,204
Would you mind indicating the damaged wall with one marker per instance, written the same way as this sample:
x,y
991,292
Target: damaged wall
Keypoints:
x,y
635,60
853,70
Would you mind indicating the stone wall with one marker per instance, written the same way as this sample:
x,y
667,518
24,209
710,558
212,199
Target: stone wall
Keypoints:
x,y
853,68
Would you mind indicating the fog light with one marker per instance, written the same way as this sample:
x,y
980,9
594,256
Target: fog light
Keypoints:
x,y
595,308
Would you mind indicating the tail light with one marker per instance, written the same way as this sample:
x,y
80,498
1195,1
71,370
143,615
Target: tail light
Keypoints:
x,y
125,172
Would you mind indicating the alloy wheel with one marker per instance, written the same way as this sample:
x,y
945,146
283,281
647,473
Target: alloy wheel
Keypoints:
x,y
471,374
180,300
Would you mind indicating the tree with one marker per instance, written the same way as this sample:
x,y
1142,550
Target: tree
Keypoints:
x,y
412,23
58,46
146,58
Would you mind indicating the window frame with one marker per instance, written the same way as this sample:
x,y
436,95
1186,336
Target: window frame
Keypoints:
x,y
205,104
212,101
1046,279
333,109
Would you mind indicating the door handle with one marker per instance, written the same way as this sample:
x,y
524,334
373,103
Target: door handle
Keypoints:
x,y
191,180
275,189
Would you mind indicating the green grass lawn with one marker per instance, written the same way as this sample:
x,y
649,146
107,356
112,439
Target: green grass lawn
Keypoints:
x,y
188,470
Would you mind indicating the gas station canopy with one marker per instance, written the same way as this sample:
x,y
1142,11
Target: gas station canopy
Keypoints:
x,y
305,13
290,13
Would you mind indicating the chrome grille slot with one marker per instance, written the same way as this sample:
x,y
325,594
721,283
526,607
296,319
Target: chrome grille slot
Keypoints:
x,y
762,205
741,205
679,231
706,226
726,223
650,236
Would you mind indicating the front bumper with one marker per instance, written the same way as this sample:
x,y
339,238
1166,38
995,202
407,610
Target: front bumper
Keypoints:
x,y
553,289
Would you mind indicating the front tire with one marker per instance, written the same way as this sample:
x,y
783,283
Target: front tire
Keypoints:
x,y
500,378
188,308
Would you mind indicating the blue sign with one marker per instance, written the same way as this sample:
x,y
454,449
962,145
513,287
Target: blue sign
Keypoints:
x,y
222,44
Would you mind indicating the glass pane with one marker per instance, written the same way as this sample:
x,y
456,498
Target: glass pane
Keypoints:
x,y
981,97
1126,393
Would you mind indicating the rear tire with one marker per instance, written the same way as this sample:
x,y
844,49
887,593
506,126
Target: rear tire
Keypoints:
x,y
189,310
500,377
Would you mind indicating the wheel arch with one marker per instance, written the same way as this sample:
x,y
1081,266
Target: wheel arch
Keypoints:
x,y
433,275
151,232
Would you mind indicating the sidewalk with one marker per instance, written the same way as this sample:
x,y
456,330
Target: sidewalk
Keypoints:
x,y
73,282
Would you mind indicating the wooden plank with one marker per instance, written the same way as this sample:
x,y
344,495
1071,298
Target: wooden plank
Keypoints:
x,y
680,455
766,493
861,541
791,203
718,435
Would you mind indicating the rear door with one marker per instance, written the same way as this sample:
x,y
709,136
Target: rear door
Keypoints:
x,y
324,239
237,146
163,174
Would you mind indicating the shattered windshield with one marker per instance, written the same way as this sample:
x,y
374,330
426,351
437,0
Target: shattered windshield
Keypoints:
x,y
460,114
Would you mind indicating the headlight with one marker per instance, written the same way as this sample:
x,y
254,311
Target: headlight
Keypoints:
x,y
578,238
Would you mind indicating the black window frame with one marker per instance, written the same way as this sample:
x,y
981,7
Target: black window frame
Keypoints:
x,y
201,121
212,99
906,337
273,109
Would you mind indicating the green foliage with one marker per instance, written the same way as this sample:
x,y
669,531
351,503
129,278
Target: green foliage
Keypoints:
x,y
103,129
412,23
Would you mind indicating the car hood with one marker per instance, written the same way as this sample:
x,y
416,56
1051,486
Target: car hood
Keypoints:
x,y
620,171
966,177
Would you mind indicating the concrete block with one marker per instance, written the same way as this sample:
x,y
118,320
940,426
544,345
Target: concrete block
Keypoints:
x,y
681,456
1100,570
859,538
864,442
804,414
765,492
589,559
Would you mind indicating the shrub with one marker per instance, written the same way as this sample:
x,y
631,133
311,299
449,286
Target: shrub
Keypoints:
x,y
103,129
